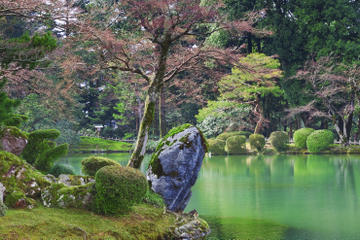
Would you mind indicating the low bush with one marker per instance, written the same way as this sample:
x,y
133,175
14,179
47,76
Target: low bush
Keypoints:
x,y
236,145
225,135
118,188
300,137
257,142
92,164
58,169
319,140
153,199
216,146
279,140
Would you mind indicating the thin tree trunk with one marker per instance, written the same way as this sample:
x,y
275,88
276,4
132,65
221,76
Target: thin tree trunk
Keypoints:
x,y
162,126
140,147
259,124
155,86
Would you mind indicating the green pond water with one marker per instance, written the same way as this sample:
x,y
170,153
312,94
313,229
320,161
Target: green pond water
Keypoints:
x,y
314,197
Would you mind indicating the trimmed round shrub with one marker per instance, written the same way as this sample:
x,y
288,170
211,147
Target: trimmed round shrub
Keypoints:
x,y
92,164
319,140
225,135
300,137
257,142
58,169
236,145
216,146
279,140
118,188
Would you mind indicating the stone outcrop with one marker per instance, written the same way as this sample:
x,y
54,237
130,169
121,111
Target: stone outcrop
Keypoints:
x,y
2,205
175,165
13,140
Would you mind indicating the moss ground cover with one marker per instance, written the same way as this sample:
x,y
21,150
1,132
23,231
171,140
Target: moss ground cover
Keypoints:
x,y
143,222
89,144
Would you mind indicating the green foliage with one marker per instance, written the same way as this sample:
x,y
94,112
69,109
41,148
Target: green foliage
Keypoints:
x,y
257,142
219,115
41,151
7,108
319,140
118,188
92,164
216,146
224,136
249,85
279,140
58,169
300,137
13,197
236,145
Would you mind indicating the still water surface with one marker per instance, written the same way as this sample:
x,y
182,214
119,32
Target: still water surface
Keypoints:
x,y
275,197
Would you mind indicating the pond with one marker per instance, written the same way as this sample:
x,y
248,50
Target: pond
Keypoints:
x,y
314,197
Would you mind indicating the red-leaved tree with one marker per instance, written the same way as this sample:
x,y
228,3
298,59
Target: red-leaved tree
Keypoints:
x,y
155,40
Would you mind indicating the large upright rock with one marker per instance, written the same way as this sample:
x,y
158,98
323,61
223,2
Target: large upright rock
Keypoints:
x,y
175,165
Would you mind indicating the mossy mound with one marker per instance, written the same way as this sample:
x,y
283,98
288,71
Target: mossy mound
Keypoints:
x,y
14,131
300,137
41,151
225,135
319,140
92,164
20,179
118,188
279,140
61,169
216,147
257,142
236,145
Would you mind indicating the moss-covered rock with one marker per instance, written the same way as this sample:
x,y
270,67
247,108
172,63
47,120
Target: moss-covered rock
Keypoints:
x,y
236,145
319,140
12,140
20,177
279,140
257,142
92,164
225,135
118,188
60,195
216,146
300,137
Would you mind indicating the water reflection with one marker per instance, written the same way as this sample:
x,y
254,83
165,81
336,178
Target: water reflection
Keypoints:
x,y
292,197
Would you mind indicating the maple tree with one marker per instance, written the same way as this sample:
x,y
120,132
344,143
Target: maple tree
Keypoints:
x,y
335,89
156,41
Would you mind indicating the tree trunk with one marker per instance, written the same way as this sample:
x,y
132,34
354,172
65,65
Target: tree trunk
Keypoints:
x,y
155,85
249,43
146,121
259,124
162,124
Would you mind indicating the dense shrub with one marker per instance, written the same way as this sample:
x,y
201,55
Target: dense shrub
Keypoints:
x,y
279,140
225,135
319,140
92,164
41,151
300,137
236,145
257,142
118,188
216,146
58,169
